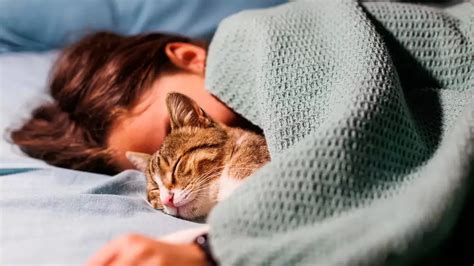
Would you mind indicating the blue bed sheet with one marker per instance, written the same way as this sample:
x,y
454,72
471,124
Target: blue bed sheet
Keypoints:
x,y
59,216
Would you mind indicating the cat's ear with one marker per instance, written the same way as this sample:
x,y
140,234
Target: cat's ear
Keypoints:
x,y
138,159
184,111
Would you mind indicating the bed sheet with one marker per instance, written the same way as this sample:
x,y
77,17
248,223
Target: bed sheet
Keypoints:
x,y
59,216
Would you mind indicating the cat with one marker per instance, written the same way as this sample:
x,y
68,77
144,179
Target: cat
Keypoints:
x,y
200,163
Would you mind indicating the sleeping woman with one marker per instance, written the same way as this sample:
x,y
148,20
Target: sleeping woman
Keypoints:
x,y
109,96
367,115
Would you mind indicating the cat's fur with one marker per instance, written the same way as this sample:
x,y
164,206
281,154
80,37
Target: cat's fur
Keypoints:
x,y
200,162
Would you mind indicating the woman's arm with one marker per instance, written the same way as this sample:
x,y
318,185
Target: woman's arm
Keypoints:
x,y
140,250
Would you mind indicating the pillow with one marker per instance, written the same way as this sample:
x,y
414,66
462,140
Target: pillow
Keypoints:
x,y
47,24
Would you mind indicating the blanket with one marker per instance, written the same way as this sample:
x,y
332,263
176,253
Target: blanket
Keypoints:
x,y
369,116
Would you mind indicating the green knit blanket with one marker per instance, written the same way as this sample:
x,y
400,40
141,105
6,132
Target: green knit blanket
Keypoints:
x,y
368,112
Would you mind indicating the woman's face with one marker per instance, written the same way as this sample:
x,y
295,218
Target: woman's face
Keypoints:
x,y
145,126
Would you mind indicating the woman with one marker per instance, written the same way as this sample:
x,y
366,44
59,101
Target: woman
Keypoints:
x,y
365,169
109,97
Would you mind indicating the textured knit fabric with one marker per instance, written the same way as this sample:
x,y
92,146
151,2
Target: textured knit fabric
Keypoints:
x,y
369,116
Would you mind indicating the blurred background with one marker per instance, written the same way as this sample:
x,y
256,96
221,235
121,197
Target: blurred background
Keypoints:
x,y
33,25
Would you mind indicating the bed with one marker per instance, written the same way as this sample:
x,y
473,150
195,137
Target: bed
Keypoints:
x,y
368,119
51,215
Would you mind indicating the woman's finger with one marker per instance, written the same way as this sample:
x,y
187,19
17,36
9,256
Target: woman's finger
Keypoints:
x,y
139,250
107,254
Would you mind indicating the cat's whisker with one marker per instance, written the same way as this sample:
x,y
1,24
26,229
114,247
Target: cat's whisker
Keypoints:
x,y
204,179
215,169
207,176
234,167
210,175
199,182
230,154
204,187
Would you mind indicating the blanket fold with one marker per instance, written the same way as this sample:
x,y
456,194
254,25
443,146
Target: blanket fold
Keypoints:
x,y
368,112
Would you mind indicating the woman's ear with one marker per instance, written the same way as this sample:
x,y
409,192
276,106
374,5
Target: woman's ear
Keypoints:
x,y
187,56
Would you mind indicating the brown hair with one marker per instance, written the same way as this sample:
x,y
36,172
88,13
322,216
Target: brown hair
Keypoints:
x,y
92,82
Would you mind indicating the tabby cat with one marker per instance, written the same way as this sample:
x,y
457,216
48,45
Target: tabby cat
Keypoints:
x,y
200,162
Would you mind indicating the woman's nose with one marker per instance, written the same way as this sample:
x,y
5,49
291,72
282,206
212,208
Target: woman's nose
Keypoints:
x,y
169,200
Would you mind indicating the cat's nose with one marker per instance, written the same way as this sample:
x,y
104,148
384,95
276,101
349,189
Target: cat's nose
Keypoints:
x,y
169,200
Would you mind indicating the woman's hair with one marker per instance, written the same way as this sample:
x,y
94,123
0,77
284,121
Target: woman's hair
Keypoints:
x,y
92,82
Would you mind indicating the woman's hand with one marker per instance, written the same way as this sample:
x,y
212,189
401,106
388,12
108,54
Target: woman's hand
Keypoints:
x,y
141,250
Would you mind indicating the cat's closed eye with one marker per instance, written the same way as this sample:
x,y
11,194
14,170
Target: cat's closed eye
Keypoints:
x,y
200,163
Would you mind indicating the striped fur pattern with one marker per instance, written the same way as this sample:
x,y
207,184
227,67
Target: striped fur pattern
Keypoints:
x,y
200,162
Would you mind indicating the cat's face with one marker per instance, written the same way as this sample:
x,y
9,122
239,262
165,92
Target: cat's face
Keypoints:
x,y
187,166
